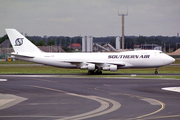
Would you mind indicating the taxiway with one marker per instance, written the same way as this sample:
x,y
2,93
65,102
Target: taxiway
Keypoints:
x,y
67,98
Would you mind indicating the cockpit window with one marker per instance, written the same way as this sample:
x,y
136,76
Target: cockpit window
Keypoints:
x,y
161,52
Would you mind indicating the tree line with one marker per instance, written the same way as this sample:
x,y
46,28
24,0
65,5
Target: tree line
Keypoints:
x,y
130,41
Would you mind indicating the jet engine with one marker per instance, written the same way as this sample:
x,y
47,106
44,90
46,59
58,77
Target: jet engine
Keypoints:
x,y
88,66
111,68
91,66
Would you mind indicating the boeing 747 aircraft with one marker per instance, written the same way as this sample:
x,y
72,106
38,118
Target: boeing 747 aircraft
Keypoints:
x,y
93,62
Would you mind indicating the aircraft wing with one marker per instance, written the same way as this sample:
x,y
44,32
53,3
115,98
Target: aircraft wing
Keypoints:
x,y
94,62
112,63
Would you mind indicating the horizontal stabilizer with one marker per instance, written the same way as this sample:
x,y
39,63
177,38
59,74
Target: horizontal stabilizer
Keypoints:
x,y
24,56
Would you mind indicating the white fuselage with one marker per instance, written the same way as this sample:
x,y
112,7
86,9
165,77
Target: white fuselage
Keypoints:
x,y
129,59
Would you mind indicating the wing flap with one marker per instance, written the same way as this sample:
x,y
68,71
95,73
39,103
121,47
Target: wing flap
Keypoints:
x,y
106,62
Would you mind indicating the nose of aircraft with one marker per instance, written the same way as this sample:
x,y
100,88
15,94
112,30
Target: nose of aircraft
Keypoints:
x,y
170,59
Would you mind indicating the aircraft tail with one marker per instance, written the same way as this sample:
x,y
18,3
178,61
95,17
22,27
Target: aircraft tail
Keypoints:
x,y
20,43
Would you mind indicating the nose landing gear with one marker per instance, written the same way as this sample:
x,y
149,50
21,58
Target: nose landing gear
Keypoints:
x,y
156,72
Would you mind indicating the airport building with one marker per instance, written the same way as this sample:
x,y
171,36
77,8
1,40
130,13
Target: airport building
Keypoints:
x,y
118,42
87,44
148,47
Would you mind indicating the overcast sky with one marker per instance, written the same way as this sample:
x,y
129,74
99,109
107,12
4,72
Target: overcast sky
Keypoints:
x,y
97,18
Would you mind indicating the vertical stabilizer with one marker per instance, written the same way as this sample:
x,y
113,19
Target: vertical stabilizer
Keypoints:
x,y
20,43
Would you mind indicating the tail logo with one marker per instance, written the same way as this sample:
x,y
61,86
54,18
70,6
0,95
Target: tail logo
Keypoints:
x,y
19,41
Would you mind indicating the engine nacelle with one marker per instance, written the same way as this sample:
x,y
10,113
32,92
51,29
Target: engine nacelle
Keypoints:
x,y
106,68
91,66
111,68
88,66
84,67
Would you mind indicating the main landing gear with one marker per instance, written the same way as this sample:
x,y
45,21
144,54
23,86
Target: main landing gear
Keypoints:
x,y
156,72
93,72
90,72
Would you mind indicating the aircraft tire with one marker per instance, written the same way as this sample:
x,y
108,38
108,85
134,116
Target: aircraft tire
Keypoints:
x,y
98,72
90,72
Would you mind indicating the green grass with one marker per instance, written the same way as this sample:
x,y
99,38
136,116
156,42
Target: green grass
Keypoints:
x,y
15,62
55,70
177,61
35,70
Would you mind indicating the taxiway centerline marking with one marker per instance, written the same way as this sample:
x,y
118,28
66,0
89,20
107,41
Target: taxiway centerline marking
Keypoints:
x,y
103,109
